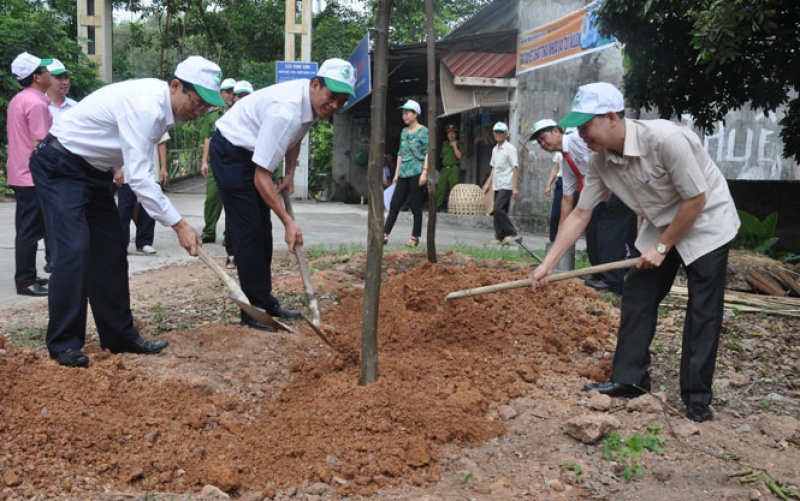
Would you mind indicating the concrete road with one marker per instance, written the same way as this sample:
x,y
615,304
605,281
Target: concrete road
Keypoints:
x,y
329,224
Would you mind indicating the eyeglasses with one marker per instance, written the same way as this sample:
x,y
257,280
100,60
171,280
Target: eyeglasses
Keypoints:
x,y
198,104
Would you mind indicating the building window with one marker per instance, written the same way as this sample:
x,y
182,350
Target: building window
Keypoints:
x,y
89,7
90,46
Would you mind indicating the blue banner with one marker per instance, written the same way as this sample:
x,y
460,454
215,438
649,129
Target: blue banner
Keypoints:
x,y
294,70
361,62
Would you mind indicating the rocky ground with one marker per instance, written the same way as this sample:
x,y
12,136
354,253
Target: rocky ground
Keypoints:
x,y
478,398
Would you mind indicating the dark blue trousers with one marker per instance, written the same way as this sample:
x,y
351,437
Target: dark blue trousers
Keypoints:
x,y
610,236
249,217
89,260
643,292
555,211
130,209
29,225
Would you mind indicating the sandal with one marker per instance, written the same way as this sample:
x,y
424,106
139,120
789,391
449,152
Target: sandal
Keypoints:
x,y
230,262
385,238
413,241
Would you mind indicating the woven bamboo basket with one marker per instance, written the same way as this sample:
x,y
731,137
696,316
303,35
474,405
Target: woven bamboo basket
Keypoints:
x,y
466,199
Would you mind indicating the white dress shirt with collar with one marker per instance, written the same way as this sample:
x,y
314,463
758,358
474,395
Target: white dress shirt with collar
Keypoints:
x,y
269,121
573,145
57,111
120,125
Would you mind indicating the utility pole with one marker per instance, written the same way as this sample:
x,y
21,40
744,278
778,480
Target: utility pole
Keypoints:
x,y
303,29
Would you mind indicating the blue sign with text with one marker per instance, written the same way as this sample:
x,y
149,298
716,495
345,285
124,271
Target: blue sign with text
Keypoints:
x,y
294,70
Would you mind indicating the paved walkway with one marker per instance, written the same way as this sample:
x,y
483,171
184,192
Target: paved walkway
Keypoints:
x,y
330,224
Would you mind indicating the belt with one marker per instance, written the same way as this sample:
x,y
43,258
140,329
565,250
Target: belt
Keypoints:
x,y
52,141
448,166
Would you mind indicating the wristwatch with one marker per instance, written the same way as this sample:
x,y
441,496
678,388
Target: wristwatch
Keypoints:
x,y
661,248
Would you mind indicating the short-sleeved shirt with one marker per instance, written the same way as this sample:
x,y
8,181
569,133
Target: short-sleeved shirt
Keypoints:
x,y
270,121
28,120
504,161
413,148
557,158
57,111
661,165
448,155
576,148
209,123
120,125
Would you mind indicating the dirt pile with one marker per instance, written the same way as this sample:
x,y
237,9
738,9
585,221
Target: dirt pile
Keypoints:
x,y
252,412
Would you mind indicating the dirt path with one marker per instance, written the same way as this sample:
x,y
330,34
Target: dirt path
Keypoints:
x,y
474,400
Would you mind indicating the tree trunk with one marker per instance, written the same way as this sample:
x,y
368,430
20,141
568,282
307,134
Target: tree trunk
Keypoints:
x,y
377,145
432,142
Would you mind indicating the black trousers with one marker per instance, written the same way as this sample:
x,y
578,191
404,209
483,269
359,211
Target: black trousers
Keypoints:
x,y
503,226
555,211
644,289
610,236
407,188
249,217
130,209
29,227
89,260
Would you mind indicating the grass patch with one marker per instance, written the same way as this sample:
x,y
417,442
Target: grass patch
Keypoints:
x,y
29,336
494,253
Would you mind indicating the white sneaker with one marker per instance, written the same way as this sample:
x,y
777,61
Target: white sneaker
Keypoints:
x,y
147,249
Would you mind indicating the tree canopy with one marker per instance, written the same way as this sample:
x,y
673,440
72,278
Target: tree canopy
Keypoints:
x,y
708,57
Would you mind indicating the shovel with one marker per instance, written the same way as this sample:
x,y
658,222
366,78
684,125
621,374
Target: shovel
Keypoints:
x,y
600,268
303,265
518,241
237,296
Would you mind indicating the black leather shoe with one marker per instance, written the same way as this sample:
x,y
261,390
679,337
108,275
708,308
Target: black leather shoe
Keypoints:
x,y
48,268
72,358
283,313
699,413
255,324
209,240
618,390
33,290
597,284
141,346
42,281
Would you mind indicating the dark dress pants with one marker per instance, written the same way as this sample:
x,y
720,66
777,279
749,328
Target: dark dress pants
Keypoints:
x,y
643,292
407,188
29,226
130,209
555,211
89,260
610,236
503,226
249,218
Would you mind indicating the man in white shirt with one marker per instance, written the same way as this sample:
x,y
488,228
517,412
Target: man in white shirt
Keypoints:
x,y
59,88
611,232
250,141
504,180
74,167
661,171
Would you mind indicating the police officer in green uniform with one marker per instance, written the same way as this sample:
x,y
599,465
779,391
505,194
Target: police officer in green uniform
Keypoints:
x,y
453,151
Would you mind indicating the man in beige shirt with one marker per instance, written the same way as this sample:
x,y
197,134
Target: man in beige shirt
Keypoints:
x,y
661,171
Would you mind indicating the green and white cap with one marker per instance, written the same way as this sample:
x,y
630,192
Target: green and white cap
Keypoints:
x,y
25,64
228,84
57,68
412,105
500,127
339,76
243,87
205,76
591,100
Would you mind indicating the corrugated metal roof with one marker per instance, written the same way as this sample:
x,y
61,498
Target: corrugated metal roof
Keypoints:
x,y
479,64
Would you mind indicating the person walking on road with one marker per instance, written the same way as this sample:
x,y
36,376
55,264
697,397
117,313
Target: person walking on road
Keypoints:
x,y
453,151
411,174
660,170
504,180
250,141
74,167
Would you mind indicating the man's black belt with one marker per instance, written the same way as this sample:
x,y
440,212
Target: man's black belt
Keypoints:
x,y
52,141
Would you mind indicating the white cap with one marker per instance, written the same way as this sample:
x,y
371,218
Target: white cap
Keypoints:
x,y
412,105
541,125
339,76
228,84
25,64
500,127
57,68
243,87
205,76
593,99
